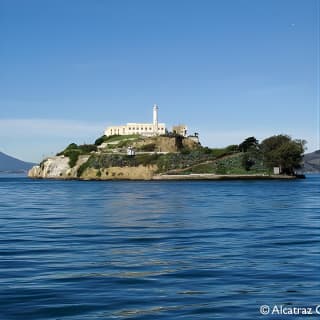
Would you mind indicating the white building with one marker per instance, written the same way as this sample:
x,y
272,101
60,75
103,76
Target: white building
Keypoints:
x,y
180,129
144,129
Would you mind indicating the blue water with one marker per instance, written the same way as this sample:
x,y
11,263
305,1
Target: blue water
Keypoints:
x,y
157,250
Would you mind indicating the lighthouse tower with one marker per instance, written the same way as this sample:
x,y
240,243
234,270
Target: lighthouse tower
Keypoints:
x,y
155,119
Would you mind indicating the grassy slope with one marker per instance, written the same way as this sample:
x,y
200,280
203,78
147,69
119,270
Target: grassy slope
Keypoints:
x,y
229,164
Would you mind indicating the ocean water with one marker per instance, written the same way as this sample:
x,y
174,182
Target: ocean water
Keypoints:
x,y
158,250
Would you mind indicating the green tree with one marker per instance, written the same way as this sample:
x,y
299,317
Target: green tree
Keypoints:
x,y
233,148
72,146
281,151
221,168
100,140
87,148
249,143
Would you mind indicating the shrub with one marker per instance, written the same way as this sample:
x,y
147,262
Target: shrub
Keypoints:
x,y
218,152
233,148
221,168
100,140
146,159
148,147
87,148
206,150
73,151
202,168
84,166
73,156
121,144
71,146
185,151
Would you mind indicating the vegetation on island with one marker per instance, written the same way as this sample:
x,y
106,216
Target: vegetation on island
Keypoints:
x,y
174,154
115,138
277,151
284,152
73,151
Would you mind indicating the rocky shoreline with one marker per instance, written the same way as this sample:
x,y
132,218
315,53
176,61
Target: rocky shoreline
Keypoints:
x,y
206,176
147,174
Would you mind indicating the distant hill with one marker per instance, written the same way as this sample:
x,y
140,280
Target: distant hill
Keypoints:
x,y
312,162
11,164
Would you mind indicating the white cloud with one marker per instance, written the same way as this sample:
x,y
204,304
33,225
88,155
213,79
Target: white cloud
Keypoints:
x,y
32,139
49,127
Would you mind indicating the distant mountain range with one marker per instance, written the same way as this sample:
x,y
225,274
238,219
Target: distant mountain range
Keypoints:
x,y
11,164
312,162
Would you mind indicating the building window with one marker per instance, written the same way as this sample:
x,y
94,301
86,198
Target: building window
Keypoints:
x,y
150,129
129,128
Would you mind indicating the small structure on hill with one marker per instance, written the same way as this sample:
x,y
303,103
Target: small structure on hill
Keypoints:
x,y
276,170
195,137
180,129
131,151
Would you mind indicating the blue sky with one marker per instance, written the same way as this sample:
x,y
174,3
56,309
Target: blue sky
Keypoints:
x,y
228,69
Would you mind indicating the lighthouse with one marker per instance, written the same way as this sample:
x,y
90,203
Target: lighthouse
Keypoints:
x,y
155,119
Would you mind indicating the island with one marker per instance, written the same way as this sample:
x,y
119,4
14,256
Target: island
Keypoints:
x,y
149,151
172,156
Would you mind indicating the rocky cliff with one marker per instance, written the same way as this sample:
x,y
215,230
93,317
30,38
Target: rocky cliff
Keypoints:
x,y
57,167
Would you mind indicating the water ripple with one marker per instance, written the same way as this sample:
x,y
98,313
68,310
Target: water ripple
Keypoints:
x,y
157,250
